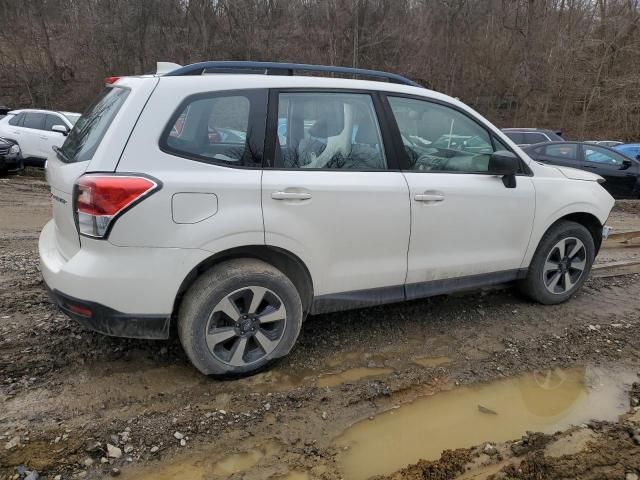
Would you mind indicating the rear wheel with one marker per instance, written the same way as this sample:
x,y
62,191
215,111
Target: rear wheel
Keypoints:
x,y
561,263
238,317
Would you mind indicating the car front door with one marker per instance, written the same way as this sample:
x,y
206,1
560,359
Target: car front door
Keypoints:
x,y
30,134
467,227
48,137
334,196
620,173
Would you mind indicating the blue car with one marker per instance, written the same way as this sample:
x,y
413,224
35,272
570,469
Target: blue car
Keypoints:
x,y
631,150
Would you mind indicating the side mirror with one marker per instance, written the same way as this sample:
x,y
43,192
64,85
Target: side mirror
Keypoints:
x,y
506,164
626,163
60,129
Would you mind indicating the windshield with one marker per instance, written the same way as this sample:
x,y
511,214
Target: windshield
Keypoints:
x,y
72,117
86,135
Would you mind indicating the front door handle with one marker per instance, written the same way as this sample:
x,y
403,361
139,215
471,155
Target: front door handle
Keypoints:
x,y
291,196
429,197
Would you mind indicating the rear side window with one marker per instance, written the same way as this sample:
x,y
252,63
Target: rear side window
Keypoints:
x,y
34,120
531,138
225,129
566,151
16,121
516,137
332,131
86,135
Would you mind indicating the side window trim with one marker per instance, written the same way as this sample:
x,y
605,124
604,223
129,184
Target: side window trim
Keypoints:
x,y
256,126
381,116
401,154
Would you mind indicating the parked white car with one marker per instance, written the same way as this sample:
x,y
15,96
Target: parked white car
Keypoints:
x,y
236,204
37,131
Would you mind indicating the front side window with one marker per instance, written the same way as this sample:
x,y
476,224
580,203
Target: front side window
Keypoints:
x,y
52,120
328,131
600,155
213,129
438,138
33,120
562,151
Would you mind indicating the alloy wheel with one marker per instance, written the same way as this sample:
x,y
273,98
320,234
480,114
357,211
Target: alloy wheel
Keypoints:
x,y
564,265
246,325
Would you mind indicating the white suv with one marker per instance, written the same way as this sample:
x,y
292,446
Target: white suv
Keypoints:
x,y
233,204
37,132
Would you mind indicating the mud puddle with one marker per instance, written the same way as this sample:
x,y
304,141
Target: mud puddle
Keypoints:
x,y
204,463
544,401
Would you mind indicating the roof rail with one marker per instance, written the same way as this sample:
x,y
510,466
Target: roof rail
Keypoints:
x,y
275,68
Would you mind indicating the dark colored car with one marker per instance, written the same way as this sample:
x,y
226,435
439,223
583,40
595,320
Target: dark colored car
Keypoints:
x,y
530,136
10,157
620,172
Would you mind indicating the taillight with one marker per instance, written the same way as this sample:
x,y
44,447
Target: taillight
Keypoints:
x,y
99,199
111,80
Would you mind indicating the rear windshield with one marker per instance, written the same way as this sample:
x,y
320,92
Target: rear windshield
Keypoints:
x,y
88,131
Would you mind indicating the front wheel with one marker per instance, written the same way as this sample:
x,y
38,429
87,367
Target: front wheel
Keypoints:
x,y
561,264
238,317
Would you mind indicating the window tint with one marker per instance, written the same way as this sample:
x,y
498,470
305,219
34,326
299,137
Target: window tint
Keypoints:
x,y
17,120
531,138
566,151
85,137
516,137
440,139
600,155
33,120
52,120
213,129
328,131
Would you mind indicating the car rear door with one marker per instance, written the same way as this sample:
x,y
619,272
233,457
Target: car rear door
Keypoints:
x,y
467,228
333,195
620,173
563,154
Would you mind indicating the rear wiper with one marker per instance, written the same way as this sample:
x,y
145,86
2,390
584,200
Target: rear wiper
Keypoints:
x,y
61,155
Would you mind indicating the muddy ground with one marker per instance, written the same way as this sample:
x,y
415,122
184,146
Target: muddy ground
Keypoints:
x,y
75,404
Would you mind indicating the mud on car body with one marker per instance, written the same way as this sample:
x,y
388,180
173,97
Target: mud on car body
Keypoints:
x,y
236,203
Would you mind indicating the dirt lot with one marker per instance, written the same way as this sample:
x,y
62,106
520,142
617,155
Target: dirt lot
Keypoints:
x,y
80,405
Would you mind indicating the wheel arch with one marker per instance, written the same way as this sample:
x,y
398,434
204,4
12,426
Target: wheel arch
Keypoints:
x,y
283,260
590,222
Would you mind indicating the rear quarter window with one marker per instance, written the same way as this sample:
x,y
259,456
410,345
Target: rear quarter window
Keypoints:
x,y
86,135
219,128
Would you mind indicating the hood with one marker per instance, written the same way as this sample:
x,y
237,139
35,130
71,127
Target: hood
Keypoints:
x,y
575,174
5,143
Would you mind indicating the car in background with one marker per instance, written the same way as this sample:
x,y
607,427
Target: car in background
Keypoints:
x,y
4,110
631,150
10,157
605,143
620,172
530,136
37,132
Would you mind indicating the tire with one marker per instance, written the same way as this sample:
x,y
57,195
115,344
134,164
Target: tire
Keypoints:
x,y
541,276
210,336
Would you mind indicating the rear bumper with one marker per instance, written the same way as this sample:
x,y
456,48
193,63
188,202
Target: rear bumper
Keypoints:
x,y
107,321
130,292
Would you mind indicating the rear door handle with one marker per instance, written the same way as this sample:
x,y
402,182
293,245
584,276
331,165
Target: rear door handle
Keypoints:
x,y
429,197
291,196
